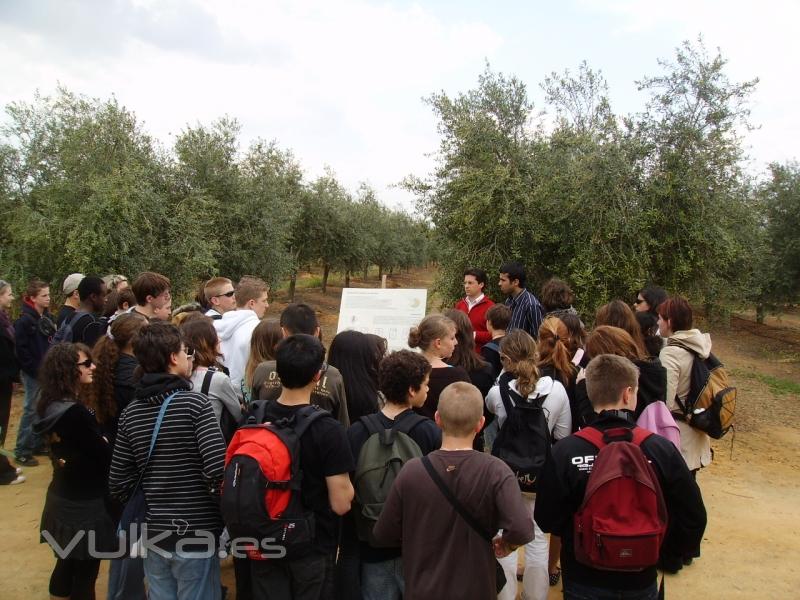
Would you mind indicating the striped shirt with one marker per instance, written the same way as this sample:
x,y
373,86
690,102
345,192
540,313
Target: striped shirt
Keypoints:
x,y
526,313
185,469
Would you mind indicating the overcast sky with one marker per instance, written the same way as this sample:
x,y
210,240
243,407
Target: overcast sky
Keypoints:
x,y
341,82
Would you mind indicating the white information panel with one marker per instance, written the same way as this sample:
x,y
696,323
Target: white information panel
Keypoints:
x,y
387,313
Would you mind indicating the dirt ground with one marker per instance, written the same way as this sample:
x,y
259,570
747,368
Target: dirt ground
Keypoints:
x,y
751,490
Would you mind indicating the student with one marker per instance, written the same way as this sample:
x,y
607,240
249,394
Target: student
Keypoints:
x,y
436,337
326,463
153,296
235,328
33,332
497,319
86,325
519,358
557,298
553,355
649,298
116,283
263,343
618,314
220,296
526,311
187,463
404,383
329,393
464,355
9,371
71,300
358,356
475,304
611,381
81,456
443,556
577,338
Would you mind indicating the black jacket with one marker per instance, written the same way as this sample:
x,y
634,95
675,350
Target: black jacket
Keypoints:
x,y
560,493
33,334
9,366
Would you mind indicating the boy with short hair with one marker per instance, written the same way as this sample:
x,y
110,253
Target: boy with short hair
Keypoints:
x,y
220,296
611,383
326,463
443,556
153,297
497,319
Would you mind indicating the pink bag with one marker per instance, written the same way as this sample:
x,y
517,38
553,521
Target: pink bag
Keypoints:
x,y
657,418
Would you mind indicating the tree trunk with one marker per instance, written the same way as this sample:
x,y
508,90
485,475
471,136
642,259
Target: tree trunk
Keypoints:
x,y
366,272
292,285
326,270
760,314
380,272
347,278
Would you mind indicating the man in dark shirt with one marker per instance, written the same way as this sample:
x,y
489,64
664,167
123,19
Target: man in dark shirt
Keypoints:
x,y
403,379
87,328
526,311
71,299
326,463
611,382
443,556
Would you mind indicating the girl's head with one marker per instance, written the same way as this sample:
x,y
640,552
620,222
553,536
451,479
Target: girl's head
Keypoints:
x,y
6,295
518,357
674,314
464,354
606,339
649,298
201,335
618,314
556,294
577,333
357,356
263,341
64,369
552,348
435,334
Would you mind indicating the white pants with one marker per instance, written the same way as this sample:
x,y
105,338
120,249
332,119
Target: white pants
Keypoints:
x,y
536,580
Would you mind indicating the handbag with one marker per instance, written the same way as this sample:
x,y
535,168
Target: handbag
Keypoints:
x,y
500,575
135,510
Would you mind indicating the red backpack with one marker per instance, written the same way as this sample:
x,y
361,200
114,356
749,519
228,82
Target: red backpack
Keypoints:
x,y
623,518
261,486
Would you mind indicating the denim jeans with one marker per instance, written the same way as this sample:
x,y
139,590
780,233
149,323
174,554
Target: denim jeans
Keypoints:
x,y
27,440
126,579
184,577
577,591
382,580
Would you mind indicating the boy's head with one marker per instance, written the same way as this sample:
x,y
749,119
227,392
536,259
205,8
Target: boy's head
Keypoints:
x,y
611,382
299,318
220,294
299,360
152,289
159,348
403,378
498,317
460,410
252,293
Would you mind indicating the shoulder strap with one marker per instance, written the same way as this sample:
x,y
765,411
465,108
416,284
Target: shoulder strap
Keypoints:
x,y
372,424
408,421
682,346
492,346
207,380
592,435
306,416
505,392
154,437
488,536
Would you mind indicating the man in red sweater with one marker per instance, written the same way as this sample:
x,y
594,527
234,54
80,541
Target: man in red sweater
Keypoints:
x,y
475,305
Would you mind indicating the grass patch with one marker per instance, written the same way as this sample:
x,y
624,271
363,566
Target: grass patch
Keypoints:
x,y
776,385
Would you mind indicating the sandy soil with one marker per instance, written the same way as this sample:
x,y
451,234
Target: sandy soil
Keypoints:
x,y
751,489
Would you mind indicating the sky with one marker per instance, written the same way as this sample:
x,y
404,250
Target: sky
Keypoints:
x,y
342,83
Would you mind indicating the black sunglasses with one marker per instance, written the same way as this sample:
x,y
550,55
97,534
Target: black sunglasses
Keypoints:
x,y
86,363
228,294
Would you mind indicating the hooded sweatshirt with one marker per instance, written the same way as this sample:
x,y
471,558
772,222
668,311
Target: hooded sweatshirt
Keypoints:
x,y
80,454
32,334
555,405
695,444
235,329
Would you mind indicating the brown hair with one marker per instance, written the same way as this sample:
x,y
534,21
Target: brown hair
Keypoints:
x,y
59,375
518,349
214,286
149,284
249,288
612,340
34,287
678,312
201,335
464,355
105,354
607,376
618,314
460,408
400,371
556,294
499,315
552,349
430,329
263,342
577,333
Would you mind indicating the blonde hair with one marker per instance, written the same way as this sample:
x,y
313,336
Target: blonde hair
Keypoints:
x,y
552,349
250,288
430,329
460,408
519,350
214,286
607,376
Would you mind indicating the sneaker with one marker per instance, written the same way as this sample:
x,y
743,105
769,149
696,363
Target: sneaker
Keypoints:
x,y
26,461
19,470
17,480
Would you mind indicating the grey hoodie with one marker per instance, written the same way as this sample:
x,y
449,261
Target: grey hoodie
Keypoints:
x,y
235,329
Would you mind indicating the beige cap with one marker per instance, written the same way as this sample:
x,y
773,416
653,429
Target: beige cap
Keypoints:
x,y
71,282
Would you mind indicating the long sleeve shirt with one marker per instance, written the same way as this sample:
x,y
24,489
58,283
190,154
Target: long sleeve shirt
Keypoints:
x,y
526,313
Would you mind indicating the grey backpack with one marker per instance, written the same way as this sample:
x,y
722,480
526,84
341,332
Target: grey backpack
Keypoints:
x,y
379,461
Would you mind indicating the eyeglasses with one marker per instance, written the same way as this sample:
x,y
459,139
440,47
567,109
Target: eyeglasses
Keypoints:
x,y
189,353
227,294
86,363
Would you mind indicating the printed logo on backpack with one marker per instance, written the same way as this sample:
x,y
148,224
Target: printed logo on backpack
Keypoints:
x,y
623,518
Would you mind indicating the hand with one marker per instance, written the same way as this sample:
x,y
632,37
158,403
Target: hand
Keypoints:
x,y
501,547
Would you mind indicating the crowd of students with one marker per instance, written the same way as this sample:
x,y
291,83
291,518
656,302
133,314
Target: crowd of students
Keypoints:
x,y
123,394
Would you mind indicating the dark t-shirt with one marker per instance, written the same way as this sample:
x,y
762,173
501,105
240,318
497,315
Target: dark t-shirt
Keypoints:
x,y
88,329
427,436
324,451
492,356
64,313
440,378
443,557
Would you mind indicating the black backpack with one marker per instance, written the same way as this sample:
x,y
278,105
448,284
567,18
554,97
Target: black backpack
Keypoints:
x,y
261,487
65,332
227,422
524,440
